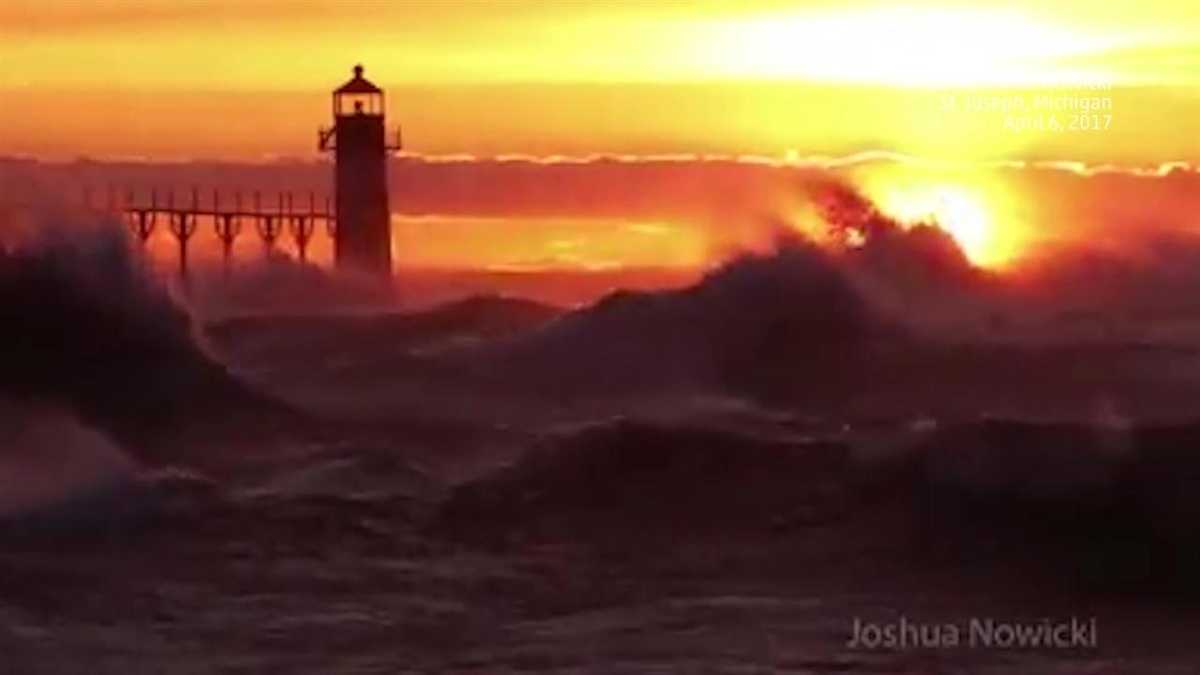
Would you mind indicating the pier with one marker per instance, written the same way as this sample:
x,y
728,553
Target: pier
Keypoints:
x,y
144,211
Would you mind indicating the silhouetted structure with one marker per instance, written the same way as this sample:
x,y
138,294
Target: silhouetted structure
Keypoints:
x,y
141,220
270,225
183,226
227,223
227,227
363,238
359,222
301,227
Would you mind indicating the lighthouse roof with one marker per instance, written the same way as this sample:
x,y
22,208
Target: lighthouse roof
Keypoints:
x,y
358,84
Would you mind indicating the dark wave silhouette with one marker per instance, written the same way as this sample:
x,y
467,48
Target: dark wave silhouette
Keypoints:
x,y
1099,509
626,481
94,332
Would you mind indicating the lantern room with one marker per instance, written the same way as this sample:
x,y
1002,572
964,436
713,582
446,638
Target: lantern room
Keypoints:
x,y
358,97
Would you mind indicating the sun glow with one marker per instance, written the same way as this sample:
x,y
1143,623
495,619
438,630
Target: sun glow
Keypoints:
x,y
972,216
896,46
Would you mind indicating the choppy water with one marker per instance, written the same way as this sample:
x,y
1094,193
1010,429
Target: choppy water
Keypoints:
x,y
498,488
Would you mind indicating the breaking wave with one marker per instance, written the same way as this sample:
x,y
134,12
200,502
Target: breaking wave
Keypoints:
x,y
873,331
102,371
59,476
93,331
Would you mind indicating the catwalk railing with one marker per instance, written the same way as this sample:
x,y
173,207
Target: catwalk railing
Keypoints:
x,y
144,211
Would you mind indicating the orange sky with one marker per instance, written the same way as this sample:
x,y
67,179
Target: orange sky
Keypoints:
x,y
165,80
237,79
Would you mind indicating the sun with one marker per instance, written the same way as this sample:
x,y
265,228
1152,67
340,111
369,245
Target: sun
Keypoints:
x,y
953,210
959,211
906,47
985,214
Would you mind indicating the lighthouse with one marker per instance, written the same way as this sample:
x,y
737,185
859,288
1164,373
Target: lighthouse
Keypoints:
x,y
357,139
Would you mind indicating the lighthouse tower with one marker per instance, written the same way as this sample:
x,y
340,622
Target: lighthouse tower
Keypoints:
x,y
363,234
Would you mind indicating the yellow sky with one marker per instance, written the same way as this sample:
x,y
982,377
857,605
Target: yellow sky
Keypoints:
x,y
244,79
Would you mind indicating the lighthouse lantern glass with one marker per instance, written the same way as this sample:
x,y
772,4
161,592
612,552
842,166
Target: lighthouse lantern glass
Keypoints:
x,y
358,104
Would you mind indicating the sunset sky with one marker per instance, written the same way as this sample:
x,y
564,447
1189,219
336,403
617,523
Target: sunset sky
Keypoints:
x,y
807,82
250,79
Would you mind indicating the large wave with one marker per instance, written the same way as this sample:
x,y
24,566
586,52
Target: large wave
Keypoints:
x,y
103,380
899,326
90,329
1103,507
761,322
